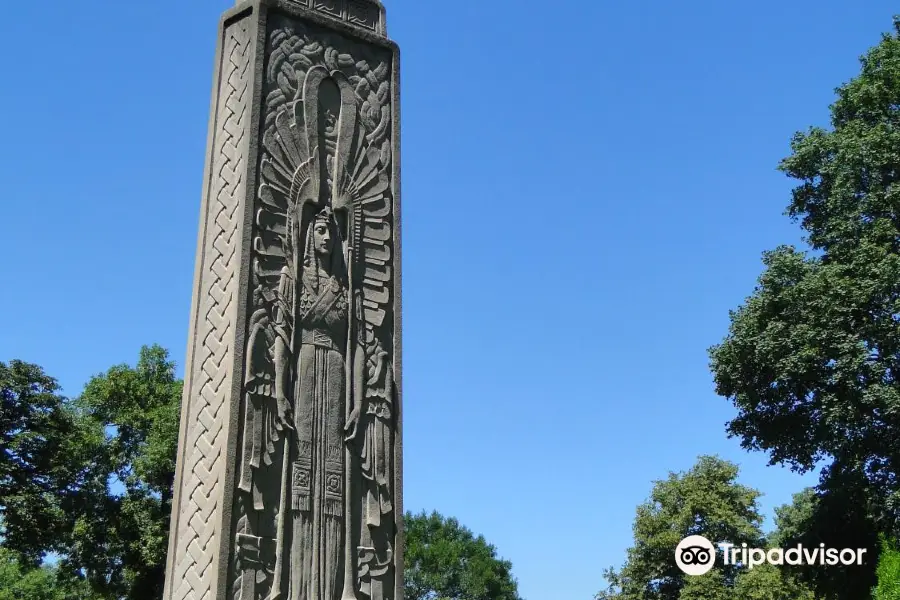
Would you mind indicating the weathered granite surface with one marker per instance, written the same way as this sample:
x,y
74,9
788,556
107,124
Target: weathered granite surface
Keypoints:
x,y
288,482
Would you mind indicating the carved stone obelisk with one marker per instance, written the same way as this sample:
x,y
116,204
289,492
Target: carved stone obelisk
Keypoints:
x,y
288,483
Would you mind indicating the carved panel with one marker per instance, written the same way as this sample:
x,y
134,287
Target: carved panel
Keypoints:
x,y
314,512
331,7
197,514
360,13
363,13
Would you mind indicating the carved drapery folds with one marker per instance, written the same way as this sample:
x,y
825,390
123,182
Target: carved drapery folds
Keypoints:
x,y
314,510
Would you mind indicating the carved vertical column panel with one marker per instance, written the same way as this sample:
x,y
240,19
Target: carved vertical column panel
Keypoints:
x,y
289,476
197,525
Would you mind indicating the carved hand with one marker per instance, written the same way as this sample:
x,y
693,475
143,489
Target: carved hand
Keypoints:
x,y
283,418
352,425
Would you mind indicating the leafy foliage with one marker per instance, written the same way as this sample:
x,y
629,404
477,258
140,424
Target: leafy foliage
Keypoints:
x,y
26,582
812,358
838,516
34,433
91,479
446,561
888,587
706,500
130,418
711,586
768,582
764,582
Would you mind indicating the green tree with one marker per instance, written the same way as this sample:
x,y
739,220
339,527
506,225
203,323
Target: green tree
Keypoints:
x,y
711,586
129,417
91,479
98,472
768,582
812,358
35,430
888,572
838,516
706,500
27,582
446,561
764,582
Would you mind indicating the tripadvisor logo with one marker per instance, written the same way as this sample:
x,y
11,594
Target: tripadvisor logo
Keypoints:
x,y
696,555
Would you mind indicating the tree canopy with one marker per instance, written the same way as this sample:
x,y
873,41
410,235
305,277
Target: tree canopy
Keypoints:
x,y
706,500
838,516
812,358
888,572
130,419
20,581
446,561
35,431
90,479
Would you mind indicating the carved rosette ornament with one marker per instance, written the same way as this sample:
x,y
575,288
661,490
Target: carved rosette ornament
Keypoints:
x,y
299,497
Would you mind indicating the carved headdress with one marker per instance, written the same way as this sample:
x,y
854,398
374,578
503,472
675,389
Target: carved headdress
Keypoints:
x,y
335,261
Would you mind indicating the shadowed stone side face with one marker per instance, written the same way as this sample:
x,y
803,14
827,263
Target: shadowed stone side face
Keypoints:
x,y
289,469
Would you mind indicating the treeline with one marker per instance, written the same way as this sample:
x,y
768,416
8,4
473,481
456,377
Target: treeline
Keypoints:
x,y
86,492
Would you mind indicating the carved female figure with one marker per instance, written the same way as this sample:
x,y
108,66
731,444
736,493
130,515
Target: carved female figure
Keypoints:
x,y
321,417
315,519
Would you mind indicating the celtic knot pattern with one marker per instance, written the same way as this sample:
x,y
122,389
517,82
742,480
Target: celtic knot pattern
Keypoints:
x,y
199,512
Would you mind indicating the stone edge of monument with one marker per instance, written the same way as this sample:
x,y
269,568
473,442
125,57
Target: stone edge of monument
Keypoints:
x,y
230,17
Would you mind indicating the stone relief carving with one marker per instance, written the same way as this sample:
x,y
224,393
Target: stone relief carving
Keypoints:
x,y
195,524
362,13
314,516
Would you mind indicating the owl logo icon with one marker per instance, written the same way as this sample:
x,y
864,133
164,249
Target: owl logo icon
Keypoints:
x,y
695,555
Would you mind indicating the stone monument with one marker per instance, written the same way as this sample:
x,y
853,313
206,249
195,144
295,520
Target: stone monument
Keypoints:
x,y
288,483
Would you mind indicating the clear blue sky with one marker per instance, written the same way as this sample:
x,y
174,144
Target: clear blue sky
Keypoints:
x,y
587,191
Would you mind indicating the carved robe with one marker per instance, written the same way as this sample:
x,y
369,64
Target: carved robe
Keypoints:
x,y
378,436
376,551
318,468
